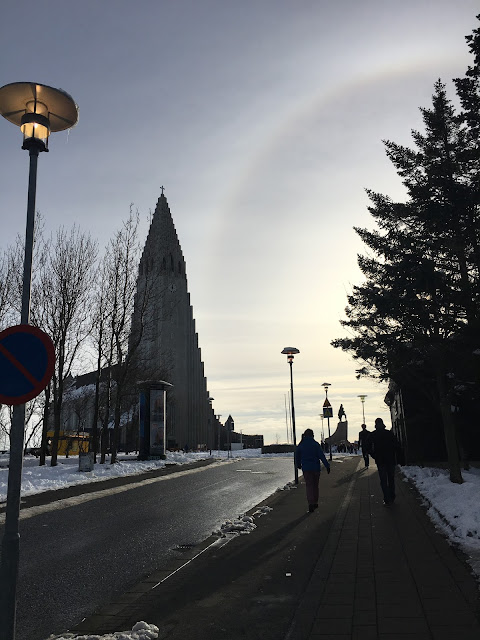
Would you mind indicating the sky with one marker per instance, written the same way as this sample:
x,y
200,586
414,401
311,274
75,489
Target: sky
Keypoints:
x,y
453,508
264,122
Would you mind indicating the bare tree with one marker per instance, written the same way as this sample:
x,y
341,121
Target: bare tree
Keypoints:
x,y
116,342
99,340
63,292
120,269
7,281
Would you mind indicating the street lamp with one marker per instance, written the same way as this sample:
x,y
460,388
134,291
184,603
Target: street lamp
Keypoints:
x,y
217,418
327,412
322,435
362,399
290,353
38,110
211,434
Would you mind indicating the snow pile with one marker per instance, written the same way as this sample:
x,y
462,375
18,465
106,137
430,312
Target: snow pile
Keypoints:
x,y
453,508
287,487
140,631
261,511
243,524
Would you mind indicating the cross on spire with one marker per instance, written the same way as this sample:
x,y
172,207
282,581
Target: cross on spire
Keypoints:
x,y
162,188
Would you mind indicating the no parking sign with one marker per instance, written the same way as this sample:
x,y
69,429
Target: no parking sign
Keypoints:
x,y
27,361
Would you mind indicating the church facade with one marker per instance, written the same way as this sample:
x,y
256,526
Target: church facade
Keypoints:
x,y
168,348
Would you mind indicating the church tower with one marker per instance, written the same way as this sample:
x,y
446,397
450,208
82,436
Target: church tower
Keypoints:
x,y
168,343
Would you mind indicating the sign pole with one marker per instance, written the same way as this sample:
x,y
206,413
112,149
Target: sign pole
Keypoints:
x,y
11,538
327,413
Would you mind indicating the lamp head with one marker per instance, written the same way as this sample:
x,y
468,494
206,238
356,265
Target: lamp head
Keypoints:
x,y
290,353
38,110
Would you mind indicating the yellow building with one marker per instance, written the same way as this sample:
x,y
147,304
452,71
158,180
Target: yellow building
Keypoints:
x,y
69,444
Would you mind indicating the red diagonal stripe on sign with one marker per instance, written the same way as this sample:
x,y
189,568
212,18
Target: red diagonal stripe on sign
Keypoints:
x,y
18,365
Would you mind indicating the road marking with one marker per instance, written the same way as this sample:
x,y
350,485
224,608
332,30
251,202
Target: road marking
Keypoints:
x,y
30,512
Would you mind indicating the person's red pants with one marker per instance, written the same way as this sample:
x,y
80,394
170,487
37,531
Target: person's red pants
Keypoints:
x,y
311,484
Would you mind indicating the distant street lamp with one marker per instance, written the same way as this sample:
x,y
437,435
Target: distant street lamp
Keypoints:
x,y
328,414
362,399
290,353
38,110
322,435
211,435
217,417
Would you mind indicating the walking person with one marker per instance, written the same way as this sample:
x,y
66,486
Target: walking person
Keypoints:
x,y
307,458
385,449
363,442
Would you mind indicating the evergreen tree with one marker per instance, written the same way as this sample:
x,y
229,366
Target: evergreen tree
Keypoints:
x,y
420,295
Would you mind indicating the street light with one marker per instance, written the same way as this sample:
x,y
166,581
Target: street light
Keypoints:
x,y
38,110
328,414
290,353
362,399
322,435
217,418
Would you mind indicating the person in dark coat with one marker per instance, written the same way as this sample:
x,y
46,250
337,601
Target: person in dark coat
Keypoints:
x,y
307,458
363,442
385,449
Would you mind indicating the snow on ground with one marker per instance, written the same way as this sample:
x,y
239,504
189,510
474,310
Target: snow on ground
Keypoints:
x,y
36,479
454,508
140,631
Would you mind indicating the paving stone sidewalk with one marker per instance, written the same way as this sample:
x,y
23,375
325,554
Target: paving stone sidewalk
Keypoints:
x,y
386,574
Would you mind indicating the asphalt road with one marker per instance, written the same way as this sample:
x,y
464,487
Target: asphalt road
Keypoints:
x,y
77,557
250,587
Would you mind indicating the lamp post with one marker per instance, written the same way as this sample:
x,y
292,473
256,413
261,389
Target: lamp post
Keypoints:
x,y
322,435
211,435
362,400
290,353
328,414
217,417
38,110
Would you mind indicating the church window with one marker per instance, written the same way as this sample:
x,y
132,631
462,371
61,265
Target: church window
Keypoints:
x,y
164,263
179,267
172,265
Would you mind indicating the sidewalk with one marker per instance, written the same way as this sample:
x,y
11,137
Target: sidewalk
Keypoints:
x,y
353,570
385,573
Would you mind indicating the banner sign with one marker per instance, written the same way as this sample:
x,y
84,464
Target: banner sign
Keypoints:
x,y
157,422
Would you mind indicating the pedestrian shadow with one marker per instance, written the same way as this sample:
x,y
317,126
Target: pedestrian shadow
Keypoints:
x,y
346,479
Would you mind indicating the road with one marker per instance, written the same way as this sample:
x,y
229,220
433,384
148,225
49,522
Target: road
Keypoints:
x,y
77,557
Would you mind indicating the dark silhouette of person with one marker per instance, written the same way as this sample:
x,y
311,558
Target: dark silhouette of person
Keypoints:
x,y
363,442
307,457
385,449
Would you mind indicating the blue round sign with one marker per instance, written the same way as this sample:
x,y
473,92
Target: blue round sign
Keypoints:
x,y
27,361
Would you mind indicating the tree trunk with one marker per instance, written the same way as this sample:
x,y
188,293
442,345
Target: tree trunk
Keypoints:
x,y
116,431
449,432
104,436
95,415
56,422
46,413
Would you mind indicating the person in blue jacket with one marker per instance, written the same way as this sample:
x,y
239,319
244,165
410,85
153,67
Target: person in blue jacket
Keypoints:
x,y
307,458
